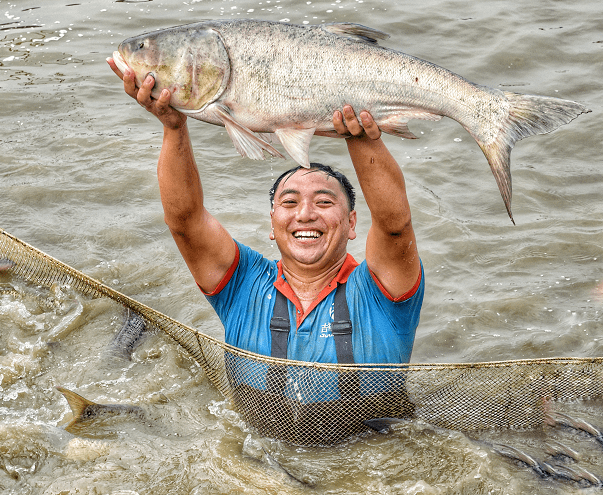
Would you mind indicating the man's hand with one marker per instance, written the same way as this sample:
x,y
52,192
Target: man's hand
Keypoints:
x,y
347,124
160,107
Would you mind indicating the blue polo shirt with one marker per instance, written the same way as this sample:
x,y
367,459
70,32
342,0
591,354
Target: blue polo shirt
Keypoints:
x,y
383,328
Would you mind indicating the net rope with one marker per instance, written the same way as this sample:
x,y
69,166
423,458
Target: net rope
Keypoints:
x,y
324,404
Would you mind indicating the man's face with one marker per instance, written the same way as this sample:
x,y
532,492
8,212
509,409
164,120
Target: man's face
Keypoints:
x,y
311,219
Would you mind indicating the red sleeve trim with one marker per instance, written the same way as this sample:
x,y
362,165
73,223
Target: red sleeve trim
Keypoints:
x,y
403,297
226,277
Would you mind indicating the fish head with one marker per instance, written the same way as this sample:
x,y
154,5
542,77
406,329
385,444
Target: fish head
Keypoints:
x,y
190,61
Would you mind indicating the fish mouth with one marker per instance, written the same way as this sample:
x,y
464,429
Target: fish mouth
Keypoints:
x,y
120,62
307,234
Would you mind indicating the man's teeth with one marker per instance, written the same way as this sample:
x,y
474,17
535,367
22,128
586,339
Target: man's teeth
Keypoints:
x,y
307,234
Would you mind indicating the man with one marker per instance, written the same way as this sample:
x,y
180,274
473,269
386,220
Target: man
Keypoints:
x,y
312,220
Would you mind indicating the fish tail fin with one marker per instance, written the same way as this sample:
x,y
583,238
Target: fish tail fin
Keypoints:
x,y
528,115
77,403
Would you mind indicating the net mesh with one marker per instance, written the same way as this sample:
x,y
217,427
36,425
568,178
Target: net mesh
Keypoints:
x,y
323,404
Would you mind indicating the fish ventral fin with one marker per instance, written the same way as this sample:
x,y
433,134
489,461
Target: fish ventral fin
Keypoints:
x,y
77,403
528,115
245,141
355,32
395,121
297,143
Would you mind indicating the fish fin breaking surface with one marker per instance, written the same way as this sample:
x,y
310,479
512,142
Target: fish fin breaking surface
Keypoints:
x,y
382,425
244,140
297,143
528,115
356,32
77,403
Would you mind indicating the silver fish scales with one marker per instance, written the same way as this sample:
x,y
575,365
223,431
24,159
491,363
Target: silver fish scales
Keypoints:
x,y
259,77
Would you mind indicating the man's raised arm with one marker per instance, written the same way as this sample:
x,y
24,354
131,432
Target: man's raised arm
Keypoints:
x,y
391,248
205,245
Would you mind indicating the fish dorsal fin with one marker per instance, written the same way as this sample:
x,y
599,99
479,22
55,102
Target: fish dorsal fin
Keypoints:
x,y
297,143
356,32
245,141
77,403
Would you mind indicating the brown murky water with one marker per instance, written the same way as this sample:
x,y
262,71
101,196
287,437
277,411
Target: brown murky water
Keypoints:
x,y
78,181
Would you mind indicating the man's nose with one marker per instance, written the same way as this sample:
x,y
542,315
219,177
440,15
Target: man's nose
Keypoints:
x,y
306,211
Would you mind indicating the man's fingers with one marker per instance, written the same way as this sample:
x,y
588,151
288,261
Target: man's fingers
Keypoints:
x,y
351,121
338,123
370,127
162,104
114,68
144,93
347,123
130,83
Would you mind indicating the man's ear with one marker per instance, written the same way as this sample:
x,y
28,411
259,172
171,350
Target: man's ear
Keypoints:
x,y
352,220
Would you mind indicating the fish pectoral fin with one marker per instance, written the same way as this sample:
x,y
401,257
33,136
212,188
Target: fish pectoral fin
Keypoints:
x,y
297,143
245,141
77,403
355,32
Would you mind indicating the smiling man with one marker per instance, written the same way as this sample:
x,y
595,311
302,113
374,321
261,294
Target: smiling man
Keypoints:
x,y
317,303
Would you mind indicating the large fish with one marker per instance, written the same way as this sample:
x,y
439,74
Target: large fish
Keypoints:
x,y
258,78
86,412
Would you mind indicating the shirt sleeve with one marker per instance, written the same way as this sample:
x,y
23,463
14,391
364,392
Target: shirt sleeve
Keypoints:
x,y
385,327
241,302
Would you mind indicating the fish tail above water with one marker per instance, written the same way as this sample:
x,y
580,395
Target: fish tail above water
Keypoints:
x,y
129,337
77,403
528,115
85,411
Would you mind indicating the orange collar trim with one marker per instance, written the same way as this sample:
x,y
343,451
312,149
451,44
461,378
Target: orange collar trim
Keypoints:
x,y
284,288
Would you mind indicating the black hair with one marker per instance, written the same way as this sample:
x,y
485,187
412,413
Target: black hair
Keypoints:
x,y
347,187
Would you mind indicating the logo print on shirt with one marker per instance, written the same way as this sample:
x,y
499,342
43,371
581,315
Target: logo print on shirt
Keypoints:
x,y
325,331
332,311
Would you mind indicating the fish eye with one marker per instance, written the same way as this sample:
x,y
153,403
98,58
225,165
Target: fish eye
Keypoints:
x,y
141,45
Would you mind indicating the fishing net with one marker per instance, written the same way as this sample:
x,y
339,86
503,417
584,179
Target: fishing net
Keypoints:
x,y
323,404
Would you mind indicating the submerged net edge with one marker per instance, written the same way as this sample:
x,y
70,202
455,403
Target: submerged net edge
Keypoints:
x,y
323,404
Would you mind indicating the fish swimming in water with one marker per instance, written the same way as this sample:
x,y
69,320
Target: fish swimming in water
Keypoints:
x,y
544,469
259,78
86,412
541,468
553,418
128,338
557,449
254,449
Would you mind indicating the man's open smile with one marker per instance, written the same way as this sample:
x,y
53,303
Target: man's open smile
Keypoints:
x,y
307,234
